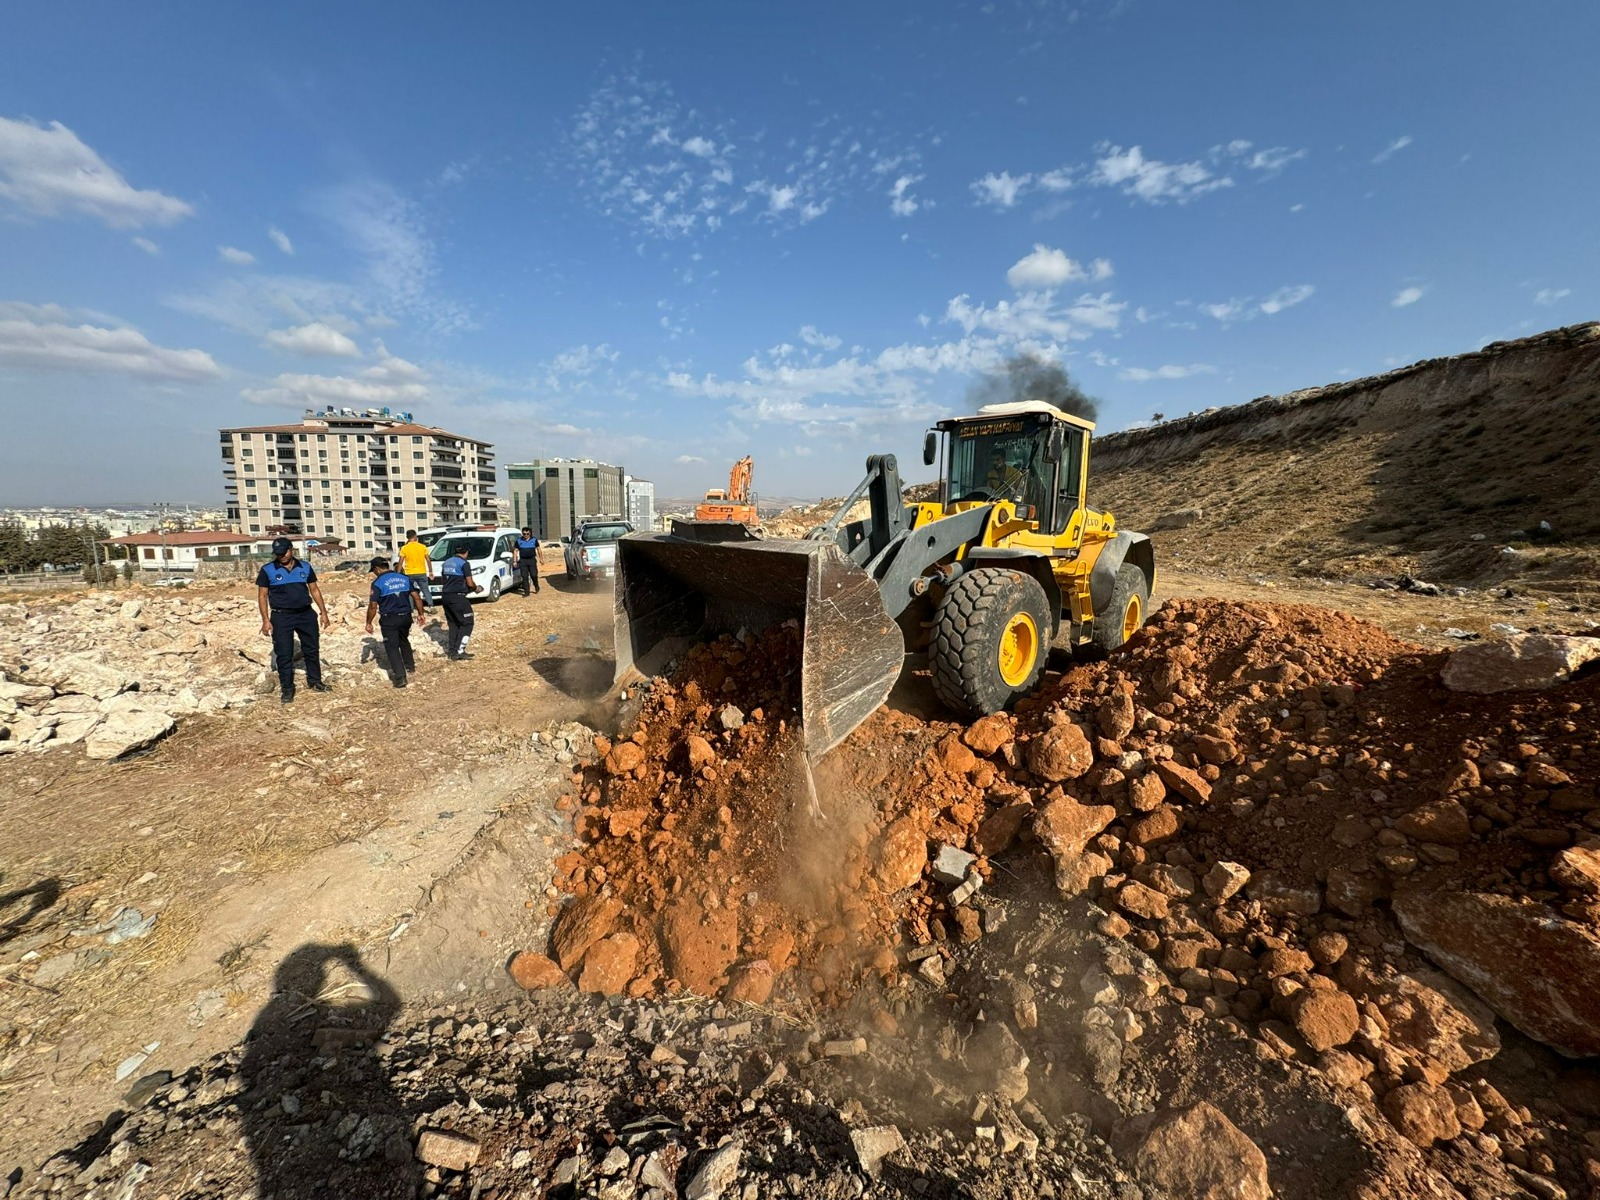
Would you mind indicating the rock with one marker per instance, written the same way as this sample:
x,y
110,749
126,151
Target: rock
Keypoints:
x,y
1576,867
25,693
988,735
131,609
730,718
1285,960
1102,1053
874,1144
716,1174
1062,752
1000,828
1353,892
1325,1018
1117,715
1186,782
996,1056
1283,898
902,853
1215,750
1142,901
700,752
1424,1114
954,756
951,864
609,964
1522,662
1195,1153
534,971
1178,518
1066,827
86,675
452,1151
1146,792
699,945
1432,1015
124,732
1538,970
581,924
73,729
1224,880
1328,948
1154,827
624,757
751,983
1444,822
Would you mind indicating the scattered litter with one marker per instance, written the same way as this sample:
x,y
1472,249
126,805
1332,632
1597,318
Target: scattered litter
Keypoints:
x,y
552,639
1463,635
136,1060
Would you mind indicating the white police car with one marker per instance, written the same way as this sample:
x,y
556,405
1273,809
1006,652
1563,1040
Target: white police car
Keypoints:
x,y
491,553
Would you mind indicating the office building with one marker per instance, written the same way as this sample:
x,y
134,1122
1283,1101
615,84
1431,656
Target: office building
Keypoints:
x,y
361,477
641,503
553,494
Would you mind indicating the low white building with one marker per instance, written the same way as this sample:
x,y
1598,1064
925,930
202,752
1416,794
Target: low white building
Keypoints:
x,y
183,551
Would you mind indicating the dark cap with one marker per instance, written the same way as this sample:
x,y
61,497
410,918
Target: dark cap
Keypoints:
x,y
462,548
281,546
378,564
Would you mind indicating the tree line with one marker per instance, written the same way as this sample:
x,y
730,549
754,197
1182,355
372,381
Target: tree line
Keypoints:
x,y
69,547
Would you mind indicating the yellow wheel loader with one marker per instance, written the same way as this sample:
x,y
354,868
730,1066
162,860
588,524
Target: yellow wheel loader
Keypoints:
x,y
981,582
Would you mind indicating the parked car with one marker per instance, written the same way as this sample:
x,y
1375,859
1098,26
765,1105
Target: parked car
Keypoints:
x,y
350,564
591,553
490,553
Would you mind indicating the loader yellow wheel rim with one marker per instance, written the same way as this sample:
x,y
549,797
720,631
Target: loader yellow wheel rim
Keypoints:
x,y
1132,616
1019,649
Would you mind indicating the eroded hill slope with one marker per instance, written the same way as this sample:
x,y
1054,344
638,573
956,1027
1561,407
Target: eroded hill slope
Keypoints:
x,y
1443,469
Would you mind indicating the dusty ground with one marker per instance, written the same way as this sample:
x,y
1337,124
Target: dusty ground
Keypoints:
x,y
422,828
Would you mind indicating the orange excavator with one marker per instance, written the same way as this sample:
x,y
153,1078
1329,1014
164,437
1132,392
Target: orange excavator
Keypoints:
x,y
735,504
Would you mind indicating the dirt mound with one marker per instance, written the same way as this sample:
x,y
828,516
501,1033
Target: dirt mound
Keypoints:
x,y
1243,793
1444,469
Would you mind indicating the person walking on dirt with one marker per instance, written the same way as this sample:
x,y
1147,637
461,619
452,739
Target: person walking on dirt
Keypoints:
x,y
414,562
528,560
286,588
394,600
458,583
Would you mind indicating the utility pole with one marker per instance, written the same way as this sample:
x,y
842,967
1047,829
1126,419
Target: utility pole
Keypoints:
x,y
166,562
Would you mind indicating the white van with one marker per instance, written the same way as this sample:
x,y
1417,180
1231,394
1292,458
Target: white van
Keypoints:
x,y
491,553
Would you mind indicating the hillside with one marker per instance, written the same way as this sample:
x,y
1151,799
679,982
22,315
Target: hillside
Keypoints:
x,y
1443,469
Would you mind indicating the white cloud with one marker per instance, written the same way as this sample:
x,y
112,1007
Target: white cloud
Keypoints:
x,y
1287,297
316,339
1152,180
280,239
1548,296
236,256
147,246
811,336
1393,148
1245,308
582,360
699,147
901,202
1170,371
46,171
689,458
1002,190
391,381
1406,296
1048,268
42,338
1270,161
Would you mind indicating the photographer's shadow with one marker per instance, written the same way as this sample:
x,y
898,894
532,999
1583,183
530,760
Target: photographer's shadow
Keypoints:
x,y
319,1114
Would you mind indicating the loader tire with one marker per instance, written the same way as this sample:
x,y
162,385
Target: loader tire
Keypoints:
x,y
991,635
1124,614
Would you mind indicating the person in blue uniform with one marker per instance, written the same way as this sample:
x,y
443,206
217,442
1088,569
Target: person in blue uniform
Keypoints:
x,y
395,601
528,560
286,588
456,584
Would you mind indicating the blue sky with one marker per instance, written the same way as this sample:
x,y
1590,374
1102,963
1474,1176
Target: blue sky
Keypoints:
x,y
669,235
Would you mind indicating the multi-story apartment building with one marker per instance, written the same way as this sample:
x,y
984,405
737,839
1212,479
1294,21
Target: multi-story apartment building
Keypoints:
x,y
553,494
641,503
361,477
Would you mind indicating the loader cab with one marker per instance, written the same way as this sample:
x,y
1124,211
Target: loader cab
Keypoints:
x,y
1029,453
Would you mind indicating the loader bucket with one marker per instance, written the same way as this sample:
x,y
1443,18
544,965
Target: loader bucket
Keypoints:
x,y
673,591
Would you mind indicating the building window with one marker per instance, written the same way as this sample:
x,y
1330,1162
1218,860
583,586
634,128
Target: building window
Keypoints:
x,y
247,452
416,454
416,441
149,552
322,437
255,529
